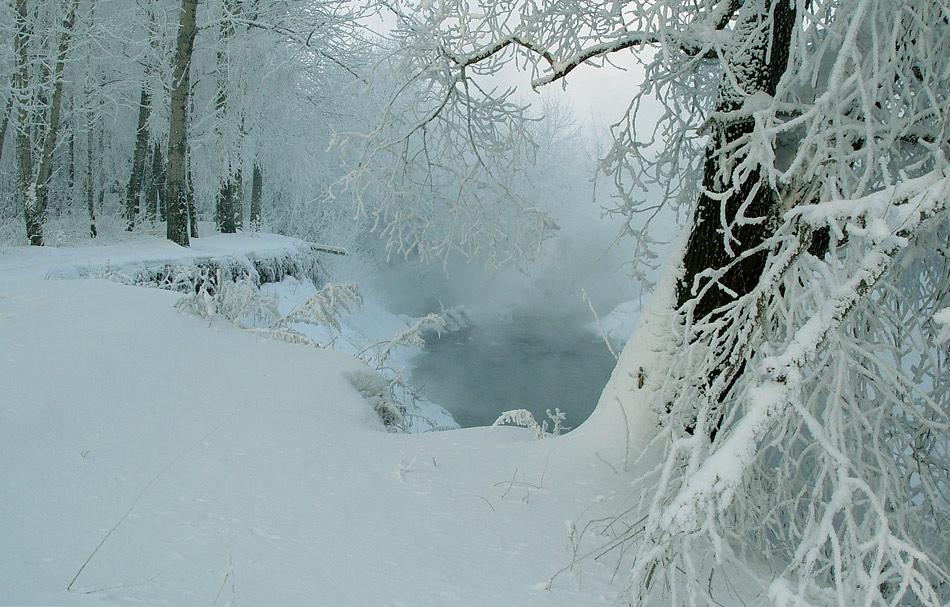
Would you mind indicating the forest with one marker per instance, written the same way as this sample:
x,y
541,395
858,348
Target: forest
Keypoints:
x,y
778,183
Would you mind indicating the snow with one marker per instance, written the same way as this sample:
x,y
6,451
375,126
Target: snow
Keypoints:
x,y
151,456
34,263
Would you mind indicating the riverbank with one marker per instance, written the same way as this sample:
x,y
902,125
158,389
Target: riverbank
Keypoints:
x,y
152,456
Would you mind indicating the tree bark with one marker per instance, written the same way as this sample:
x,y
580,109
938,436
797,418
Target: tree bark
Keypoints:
x,y
767,25
192,211
56,104
34,187
4,124
177,212
155,190
237,200
90,180
24,145
134,191
230,188
257,188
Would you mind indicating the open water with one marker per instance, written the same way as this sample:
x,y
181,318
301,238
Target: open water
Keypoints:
x,y
532,363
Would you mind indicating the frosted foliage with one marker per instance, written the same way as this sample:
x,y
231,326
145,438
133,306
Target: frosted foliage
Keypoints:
x,y
420,182
379,352
525,419
830,456
824,448
803,441
377,390
520,417
327,306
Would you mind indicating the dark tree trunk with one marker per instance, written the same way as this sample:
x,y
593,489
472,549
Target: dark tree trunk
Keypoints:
x,y
71,186
257,188
227,204
757,69
224,208
237,200
4,124
155,191
90,181
177,212
133,195
192,211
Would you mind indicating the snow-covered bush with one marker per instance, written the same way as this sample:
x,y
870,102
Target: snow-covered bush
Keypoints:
x,y
240,302
327,306
525,419
378,392
413,337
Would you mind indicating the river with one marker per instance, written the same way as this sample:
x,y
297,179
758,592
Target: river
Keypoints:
x,y
524,362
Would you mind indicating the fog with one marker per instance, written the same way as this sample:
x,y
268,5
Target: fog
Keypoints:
x,y
527,345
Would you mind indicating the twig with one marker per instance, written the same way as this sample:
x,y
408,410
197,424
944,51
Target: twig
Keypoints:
x,y
139,496
600,326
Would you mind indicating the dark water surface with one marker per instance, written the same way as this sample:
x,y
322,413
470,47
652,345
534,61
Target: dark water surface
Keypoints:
x,y
524,363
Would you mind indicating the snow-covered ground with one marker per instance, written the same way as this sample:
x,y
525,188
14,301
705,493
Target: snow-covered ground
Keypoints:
x,y
151,456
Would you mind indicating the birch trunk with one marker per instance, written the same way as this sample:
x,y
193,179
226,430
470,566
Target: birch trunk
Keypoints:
x,y
226,214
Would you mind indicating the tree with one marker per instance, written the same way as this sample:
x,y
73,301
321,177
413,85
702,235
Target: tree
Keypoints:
x,y
228,209
34,173
177,212
788,379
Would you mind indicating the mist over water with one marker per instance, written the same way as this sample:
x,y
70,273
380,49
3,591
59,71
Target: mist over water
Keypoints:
x,y
525,346
522,362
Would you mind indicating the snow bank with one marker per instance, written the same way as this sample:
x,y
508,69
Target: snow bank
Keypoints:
x,y
148,456
263,257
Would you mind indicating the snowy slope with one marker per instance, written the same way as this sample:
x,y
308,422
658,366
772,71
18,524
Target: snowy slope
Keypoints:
x,y
168,461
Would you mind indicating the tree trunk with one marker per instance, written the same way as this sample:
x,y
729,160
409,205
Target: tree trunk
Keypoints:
x,y
237,201
133,194
177,212
24,145
224,208
56,104
192,211
257,187
90,180
768,25
4,124
155,190
230,188
71,186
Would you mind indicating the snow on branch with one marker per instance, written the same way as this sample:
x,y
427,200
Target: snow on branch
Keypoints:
x,y
327,306
782,403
